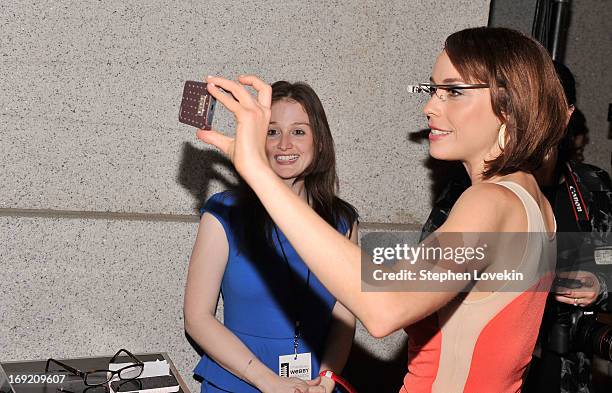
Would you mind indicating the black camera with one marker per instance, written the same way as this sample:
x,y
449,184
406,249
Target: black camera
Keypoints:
x,y
591,336
576,330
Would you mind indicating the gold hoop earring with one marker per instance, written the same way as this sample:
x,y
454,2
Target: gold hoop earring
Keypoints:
x,y
501,136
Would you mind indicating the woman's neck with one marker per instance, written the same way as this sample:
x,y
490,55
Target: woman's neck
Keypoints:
x,y
474,171
297,187
476,174
475,167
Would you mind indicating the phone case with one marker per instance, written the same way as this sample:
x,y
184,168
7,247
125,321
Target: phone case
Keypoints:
x,y
197,106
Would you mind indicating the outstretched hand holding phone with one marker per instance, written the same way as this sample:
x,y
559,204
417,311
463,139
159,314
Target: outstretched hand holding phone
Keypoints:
x,y
247,149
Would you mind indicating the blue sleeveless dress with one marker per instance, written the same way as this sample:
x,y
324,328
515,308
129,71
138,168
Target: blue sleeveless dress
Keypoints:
x,y
260,305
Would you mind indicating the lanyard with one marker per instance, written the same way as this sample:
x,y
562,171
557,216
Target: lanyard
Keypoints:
x,y
578,206
300,298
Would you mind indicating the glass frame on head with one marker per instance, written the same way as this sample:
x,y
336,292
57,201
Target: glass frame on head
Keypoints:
x,y
452,90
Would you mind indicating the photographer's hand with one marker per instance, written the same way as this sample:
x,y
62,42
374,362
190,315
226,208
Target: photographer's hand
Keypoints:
x,y
583,296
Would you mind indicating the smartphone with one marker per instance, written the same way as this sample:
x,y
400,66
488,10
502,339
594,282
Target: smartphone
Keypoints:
x,y
166,384
569,283
197,105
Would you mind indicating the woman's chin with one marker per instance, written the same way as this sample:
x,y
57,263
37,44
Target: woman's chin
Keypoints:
x,y
285,174
441,154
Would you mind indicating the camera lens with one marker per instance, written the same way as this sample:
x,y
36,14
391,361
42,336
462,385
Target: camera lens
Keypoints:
x,y
604,336
594,338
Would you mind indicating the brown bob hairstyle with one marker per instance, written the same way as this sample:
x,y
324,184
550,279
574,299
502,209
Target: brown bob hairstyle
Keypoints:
x,y
526,93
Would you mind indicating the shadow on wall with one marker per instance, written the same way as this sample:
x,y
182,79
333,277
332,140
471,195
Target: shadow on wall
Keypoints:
x,y
441,173
199,167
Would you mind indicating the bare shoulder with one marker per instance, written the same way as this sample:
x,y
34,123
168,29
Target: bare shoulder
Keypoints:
x,y
483,207
487,197
211,235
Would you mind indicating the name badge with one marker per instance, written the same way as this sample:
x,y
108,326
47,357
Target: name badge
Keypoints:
x,y
295,366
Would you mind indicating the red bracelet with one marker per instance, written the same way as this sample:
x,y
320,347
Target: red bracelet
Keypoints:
x,y
339,380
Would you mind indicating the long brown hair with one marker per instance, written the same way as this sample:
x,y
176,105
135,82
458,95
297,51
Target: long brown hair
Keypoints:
x,y
526,93
320,177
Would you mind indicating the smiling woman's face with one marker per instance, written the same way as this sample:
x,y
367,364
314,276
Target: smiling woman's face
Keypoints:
x,y
290,144
463,127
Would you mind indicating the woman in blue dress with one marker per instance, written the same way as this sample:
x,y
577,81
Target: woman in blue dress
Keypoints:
x,y
281,326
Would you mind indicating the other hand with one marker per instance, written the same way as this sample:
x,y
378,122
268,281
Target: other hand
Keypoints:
x,y
583,296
